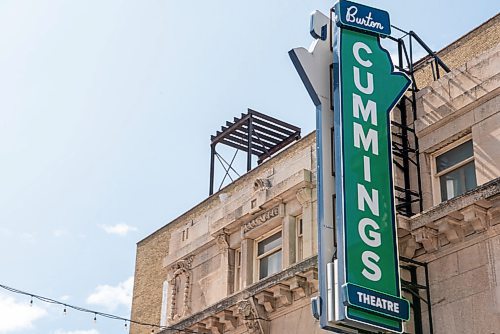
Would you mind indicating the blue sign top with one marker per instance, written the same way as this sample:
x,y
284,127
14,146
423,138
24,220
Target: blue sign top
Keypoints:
x,y
355,15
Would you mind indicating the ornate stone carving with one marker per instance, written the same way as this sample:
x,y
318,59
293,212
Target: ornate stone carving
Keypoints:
x,y
184,264
407,246
476,216
451,228
261,219
180,289
222,240
427,237
261,184
250,317
304,196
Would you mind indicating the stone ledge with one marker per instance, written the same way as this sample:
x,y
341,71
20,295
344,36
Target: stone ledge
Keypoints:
x,y
450,207
451,222
266,284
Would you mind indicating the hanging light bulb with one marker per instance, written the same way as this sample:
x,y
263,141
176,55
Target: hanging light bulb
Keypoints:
x,y
95,317
31,301
64,310
125,324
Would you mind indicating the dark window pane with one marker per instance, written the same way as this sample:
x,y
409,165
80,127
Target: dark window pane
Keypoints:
x,y
270,264
457,182
454,156
269,243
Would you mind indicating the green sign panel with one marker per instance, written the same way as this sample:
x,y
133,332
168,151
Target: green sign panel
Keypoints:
x,y
366,89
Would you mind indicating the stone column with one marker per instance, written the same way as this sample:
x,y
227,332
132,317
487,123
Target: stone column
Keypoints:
x,y
226,273
288,243
247,262
304,196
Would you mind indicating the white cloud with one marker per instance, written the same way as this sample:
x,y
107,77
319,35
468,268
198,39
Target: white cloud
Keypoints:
x,y
65,298
90,331
119,229
17,316
111,297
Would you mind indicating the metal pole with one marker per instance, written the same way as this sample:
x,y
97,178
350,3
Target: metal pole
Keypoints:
x,y
414,109
404,141
429,307
417,308
432,53
249,152
212,165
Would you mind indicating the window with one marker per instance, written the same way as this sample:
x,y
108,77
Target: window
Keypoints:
x,y
269,255
299,225
237,270
455,171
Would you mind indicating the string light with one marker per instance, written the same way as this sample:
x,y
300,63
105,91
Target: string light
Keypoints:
x,y
96,313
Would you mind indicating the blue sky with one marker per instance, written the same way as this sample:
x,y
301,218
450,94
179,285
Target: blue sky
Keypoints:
x,y
106,112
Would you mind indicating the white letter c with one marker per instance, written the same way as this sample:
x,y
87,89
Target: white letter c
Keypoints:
x,y
355,51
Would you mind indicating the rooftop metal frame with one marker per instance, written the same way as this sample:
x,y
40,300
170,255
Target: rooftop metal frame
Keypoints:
x,y
254,133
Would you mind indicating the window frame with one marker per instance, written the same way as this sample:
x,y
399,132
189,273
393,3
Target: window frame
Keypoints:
x,y
237,270
299,238
258,257
436,185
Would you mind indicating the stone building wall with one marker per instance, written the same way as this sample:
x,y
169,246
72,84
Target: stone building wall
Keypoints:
x,y
192,259
456,54
193,256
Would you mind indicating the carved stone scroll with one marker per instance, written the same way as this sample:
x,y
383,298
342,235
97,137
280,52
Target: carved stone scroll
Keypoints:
x,y
222,240
304,196
180,289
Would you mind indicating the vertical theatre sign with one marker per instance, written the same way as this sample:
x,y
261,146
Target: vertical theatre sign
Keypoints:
x,y
366,88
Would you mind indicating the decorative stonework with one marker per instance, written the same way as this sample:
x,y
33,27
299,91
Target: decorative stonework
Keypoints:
x,y
222,240
427,237
451,228
476,216
250,316
407,246
180,289
494,215
304,196
261,219
261,184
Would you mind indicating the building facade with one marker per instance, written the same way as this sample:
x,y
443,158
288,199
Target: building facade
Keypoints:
x,y
245,259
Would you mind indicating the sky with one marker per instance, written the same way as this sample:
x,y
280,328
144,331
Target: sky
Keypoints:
x,y
106,113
